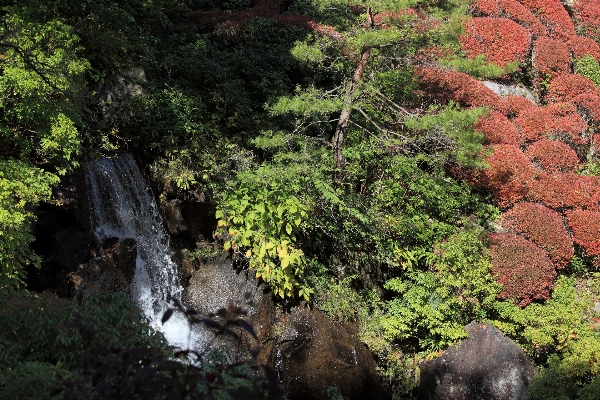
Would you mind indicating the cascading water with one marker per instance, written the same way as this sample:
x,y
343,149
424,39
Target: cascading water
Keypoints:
x,y
122,206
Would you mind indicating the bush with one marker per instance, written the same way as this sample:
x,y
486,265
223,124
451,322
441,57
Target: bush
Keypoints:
x,y
552,156
553,15
588,106
566,87
584,224
587,18
559,121
543,227
522,15
500,40
551,58
518,104
521,267
564,190
508,176
582,46
589,67
497,129
445,85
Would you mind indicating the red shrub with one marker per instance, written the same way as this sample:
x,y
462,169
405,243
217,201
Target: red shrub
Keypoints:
x,y
588,105
488,8
497,129
543,227
518,103
565,87
586,229
523,269
501,40
551,57
467,91
508,176
553,15
580,46
587,17
564,190
521,14
553,156
569,127
556,121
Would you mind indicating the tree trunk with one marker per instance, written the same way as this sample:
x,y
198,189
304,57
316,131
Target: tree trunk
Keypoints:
x,y
342,125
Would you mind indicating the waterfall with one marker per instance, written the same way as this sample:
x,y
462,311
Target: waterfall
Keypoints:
x,y
122,206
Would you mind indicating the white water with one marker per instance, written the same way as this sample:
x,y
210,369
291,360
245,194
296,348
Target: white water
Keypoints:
x,y
122,206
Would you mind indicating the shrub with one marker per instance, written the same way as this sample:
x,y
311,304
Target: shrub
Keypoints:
x,y
521,267
488,8
551,57
564,190
497,129
581,46
517,12
587,18
518,104
552,156
543,227
589,67
585,226
553,15
509,175
500,40
588,106
565,87
445,85
559,121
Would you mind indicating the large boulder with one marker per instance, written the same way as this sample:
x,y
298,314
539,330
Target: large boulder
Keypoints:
x,y
316,356
486,366
171,212
113,271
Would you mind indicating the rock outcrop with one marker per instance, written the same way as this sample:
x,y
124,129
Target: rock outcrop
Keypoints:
x,y
316,356
486,366
113,271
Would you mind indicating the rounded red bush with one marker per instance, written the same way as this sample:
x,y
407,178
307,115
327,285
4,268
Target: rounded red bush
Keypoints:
x,y
521,267
559,121
551,57
445,85
585,225
489,8
588,106
521,14
553,15
565,87
518,104
564,190
552,156
508,176
587,17
501,40
497,129
580,46
543,227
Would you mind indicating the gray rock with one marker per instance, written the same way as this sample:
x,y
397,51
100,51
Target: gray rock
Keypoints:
x,y
503,90
486,366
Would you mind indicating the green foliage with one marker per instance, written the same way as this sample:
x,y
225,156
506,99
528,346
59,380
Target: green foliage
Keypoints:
x,y
457,124
477,67
588,67
20,187
262,224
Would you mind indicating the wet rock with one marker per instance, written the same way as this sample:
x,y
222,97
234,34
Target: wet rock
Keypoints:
x,y
113,271
316,355
486,366
171,212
